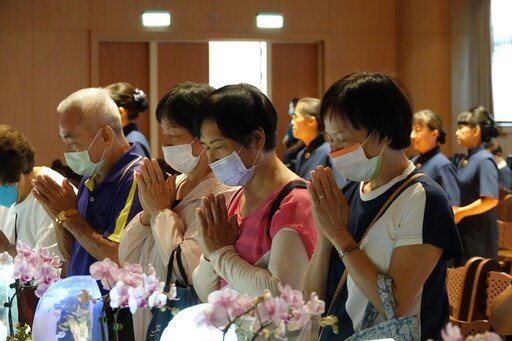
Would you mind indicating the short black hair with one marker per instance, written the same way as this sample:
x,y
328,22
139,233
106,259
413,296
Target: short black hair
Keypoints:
x,y
17,155
181,102
372,101
238,110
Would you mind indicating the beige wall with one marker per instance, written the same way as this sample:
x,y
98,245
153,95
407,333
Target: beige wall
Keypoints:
x,y
50,48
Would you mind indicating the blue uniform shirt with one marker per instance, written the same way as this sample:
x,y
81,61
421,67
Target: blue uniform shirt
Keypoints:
x,y
478,177
443,171
318,152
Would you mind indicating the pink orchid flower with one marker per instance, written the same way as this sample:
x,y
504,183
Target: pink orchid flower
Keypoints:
x,y
213,316
294,298
315,305
23,250
104,271
46,274
157,300
22,270
119,296
136,299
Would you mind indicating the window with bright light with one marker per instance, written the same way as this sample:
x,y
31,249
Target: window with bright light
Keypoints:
x,y
501,11
233,62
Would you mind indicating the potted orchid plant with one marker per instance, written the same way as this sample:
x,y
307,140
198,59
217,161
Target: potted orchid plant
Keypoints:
x,y
33,268
130,287
268,317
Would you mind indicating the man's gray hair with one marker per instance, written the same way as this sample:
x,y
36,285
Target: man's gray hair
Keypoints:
x,y
95,107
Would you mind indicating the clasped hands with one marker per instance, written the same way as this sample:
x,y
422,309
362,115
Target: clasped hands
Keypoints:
x,y
330,207
155,193
53,196
216,230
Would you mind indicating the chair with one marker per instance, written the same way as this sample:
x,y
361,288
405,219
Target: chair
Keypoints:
x,y
459,282
497,282
477,306
505,245
471,327
503,192
504,208
455,284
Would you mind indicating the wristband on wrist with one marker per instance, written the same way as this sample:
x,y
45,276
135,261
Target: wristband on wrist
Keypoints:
x,y
350,247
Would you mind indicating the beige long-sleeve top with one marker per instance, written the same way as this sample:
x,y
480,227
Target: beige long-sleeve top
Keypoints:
x,y
168,229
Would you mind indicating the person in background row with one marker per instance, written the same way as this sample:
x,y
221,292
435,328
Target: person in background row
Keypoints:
x,y
368,118
504,171
90,224
241,247
29,221
168,219
478,180
426,137
131,102
292,145
308,128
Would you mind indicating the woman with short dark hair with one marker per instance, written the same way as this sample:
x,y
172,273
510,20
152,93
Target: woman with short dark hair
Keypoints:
x,y
244,246
368,118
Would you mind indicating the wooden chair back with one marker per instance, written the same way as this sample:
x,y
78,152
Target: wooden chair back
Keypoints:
x,y
503,192
497,282
477,306
459,283
504,208
454,285
472,327
505,235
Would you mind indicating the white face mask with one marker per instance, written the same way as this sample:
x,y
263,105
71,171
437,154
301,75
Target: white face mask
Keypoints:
x,y
80,162
231,170
353,164
180,157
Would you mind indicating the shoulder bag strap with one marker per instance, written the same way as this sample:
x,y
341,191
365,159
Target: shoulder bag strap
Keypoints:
x,y
284,192
377,216
167,286
234,196
181,267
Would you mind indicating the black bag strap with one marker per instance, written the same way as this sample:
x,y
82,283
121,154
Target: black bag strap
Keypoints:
x,y
181,267
284,192
234,196
175,253
167,286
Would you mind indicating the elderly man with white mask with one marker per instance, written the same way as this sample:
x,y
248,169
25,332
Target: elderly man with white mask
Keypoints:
x,y
89,225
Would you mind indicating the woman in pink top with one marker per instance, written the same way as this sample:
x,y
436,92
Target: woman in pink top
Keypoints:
x,y
237,125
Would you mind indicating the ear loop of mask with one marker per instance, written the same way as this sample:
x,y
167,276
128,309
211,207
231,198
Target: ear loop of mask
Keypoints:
x,y
243,145
202,151
104,150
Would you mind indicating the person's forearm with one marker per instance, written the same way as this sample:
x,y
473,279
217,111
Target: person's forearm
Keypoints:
x,y
205,280
65,241
92,241
6,246
317,270
478,206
